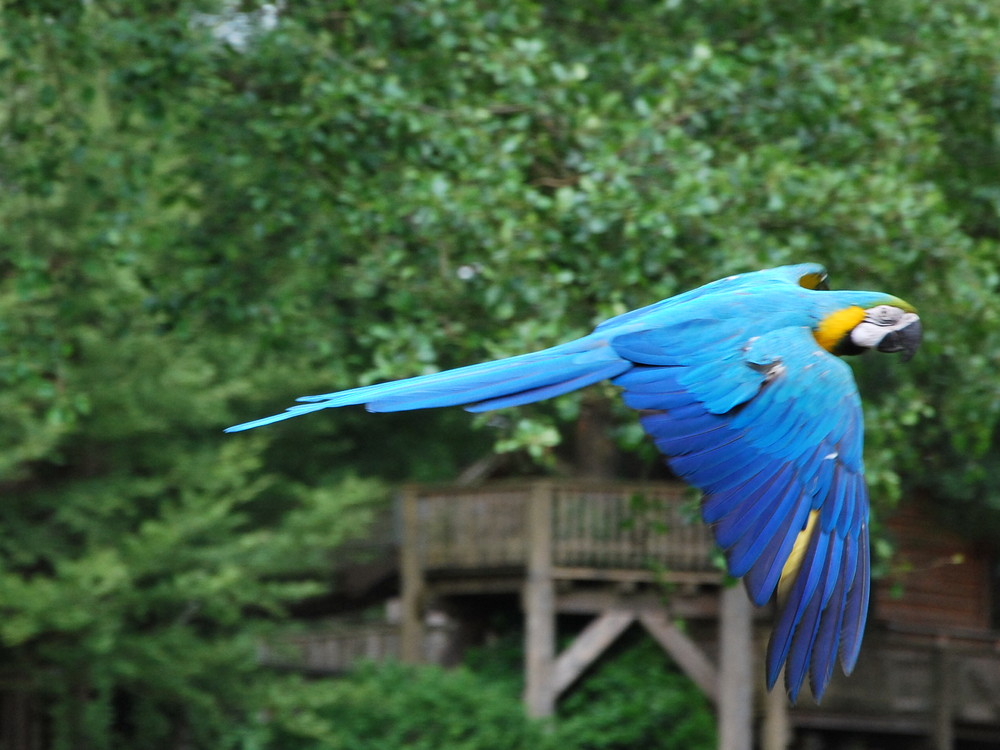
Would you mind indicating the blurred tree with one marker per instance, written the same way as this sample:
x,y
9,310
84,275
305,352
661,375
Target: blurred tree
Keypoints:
x,y
211,207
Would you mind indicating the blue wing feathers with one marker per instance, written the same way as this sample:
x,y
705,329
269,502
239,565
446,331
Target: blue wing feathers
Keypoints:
x,y
836,503
857,607
716,504
752,505
690,343
657,379
681,445
804,641
792,611
762,578
640,400
779,437
847,513
699,468
724,477
828,637
724,394
745,553
668,426
826,474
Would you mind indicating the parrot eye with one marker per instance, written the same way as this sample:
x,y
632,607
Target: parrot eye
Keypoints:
x,y
816,281
884,315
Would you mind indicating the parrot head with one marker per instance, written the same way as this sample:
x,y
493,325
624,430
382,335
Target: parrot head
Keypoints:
x,y
889,326
890,329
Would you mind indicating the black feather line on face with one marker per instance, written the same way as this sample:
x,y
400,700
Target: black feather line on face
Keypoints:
x,y
847,348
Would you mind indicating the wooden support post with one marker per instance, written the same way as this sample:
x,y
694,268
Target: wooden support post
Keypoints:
x,y
589,645
684,652
539,606
411,581
944,729
735,670
775,730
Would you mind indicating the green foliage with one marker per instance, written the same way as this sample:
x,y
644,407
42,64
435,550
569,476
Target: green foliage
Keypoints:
x,y
633,697
388,706
636,698
197,230
138,613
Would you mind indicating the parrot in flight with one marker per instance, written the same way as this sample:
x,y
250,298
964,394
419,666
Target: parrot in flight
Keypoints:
x,y
741,386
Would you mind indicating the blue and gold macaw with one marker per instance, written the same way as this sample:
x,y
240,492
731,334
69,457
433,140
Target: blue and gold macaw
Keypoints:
x,y
739,385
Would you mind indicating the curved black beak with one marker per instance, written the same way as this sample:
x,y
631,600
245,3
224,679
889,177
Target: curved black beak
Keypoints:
x,y
905,340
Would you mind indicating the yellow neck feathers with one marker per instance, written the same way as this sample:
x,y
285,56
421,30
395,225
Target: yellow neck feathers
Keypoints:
x,y
835,326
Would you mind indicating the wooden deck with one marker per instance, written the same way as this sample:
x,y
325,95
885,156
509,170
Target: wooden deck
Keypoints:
x,y
603,551
639,528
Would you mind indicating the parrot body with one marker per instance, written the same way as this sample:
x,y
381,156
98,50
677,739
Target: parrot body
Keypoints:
x,y
738,386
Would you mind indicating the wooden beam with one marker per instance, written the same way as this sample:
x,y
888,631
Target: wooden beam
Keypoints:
x,y
474,584
581,573
590,644
539,606
411,576
685,652
594,601
735,670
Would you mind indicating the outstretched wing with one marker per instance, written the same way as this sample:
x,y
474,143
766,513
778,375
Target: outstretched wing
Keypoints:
x,y
773,438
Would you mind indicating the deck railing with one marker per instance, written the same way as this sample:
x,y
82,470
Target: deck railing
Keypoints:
x,y
616,526
332,650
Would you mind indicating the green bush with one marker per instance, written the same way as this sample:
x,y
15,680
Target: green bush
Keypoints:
x,y
633,697
395,707
636,698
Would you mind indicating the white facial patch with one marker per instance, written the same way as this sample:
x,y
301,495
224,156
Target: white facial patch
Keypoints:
x,y
878,323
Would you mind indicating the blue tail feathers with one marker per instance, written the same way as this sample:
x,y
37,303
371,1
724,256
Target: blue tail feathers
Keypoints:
x,y
481,387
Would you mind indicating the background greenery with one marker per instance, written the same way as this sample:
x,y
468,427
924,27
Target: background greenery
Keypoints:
x,y
206,214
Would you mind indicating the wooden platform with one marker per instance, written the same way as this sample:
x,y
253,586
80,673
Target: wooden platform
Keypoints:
x,y
627,554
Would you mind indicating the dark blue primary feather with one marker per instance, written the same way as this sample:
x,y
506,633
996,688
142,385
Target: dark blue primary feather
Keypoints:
x,y
747,407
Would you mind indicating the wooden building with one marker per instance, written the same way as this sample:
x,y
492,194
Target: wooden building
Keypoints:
x,y
624,554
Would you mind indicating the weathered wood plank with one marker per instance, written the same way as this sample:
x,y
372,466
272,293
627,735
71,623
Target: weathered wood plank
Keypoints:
x,y
588,645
